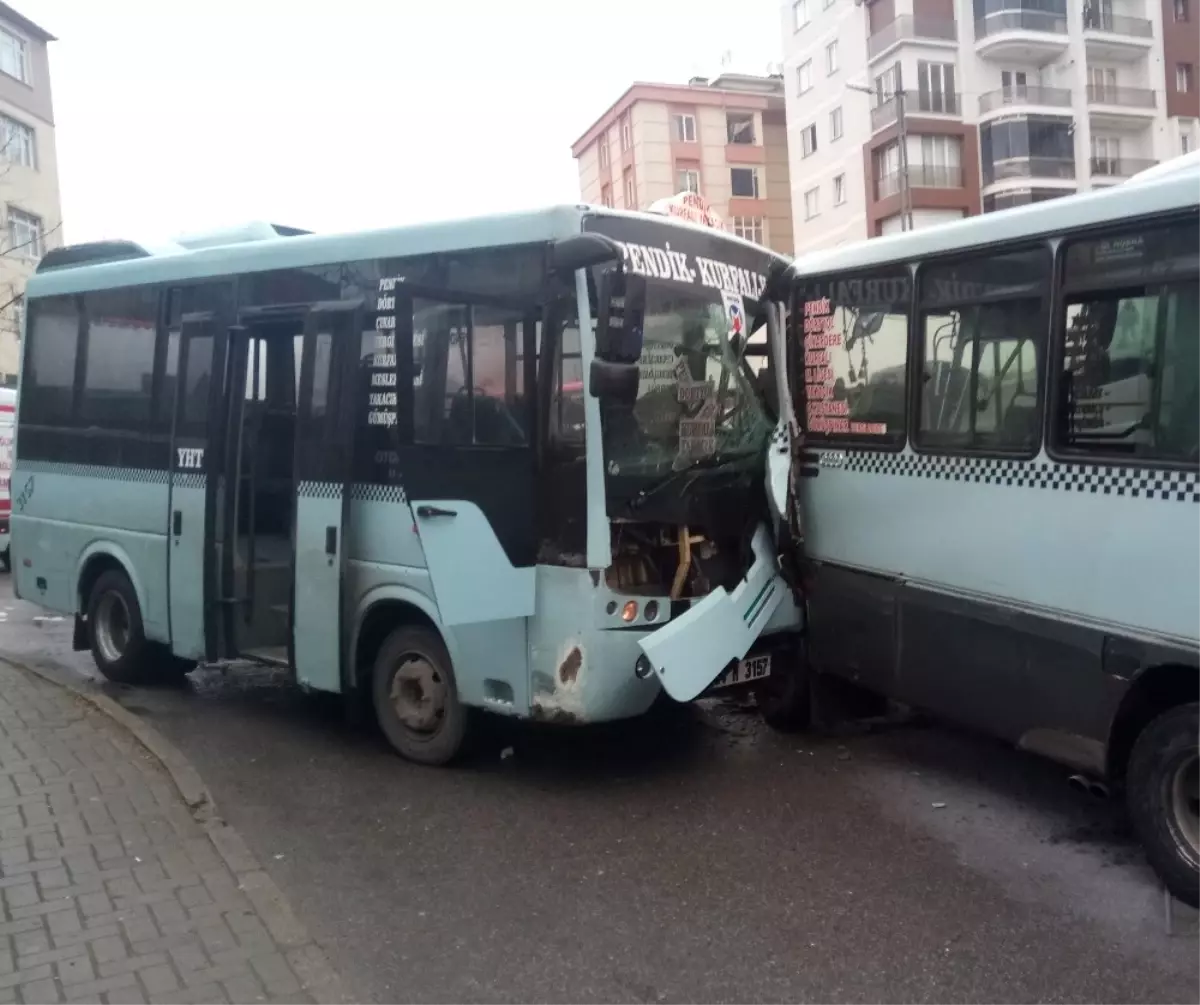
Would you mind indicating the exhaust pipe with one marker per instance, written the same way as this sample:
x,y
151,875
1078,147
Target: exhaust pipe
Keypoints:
x,y
1097,790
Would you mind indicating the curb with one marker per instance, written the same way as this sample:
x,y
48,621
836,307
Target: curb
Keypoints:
x,y
308,960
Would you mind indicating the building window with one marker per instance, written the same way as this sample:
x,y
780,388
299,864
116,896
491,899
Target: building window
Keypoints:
x,y
626,135
1106,155
839,190
808,140
24,234
748,228
743,182
799,14
683,128
812,203
14,56
981,320
739,128
688,179
835,123
606,198
1186,141
19,143
887,84
804,76
935,87
630,191
831,57
604,151
1182,11
1183,77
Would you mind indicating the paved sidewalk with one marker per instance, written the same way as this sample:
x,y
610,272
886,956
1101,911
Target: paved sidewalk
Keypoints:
x,y
114,890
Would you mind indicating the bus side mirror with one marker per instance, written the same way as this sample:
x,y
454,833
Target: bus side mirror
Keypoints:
x,y
610,381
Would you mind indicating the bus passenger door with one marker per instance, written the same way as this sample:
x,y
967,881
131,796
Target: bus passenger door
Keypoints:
x,y
324,449
197,486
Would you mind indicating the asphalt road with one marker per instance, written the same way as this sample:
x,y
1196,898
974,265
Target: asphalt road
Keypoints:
x,y
694,856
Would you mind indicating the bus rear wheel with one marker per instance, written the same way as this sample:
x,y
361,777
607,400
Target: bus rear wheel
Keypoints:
x,y
416,698
1163,793
115,632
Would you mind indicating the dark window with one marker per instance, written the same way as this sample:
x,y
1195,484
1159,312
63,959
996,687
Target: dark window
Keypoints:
x,y
48,384
1131,365
1027,146
855,350
197,379
461,356
119,368
166,398
744,183
983,324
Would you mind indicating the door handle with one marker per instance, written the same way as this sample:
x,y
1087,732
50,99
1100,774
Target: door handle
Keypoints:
x,y
431,511
177,522
330,540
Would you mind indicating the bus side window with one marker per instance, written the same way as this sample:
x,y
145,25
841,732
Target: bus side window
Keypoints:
x,y
983,324
1130,368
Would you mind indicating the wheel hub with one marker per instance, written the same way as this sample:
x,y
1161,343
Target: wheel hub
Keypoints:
x,y
418,694
112,626
1185,801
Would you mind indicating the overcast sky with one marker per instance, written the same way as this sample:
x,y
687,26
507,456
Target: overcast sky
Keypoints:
x,y
175,116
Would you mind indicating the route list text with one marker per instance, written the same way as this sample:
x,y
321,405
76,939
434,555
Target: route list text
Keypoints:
x,y
825,412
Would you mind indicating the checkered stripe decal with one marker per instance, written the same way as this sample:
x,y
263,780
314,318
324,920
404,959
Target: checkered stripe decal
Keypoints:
x,y
189,481
378,493
1137,483
94,471
361,493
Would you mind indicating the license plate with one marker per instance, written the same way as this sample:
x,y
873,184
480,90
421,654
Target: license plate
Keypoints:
x,y
751,668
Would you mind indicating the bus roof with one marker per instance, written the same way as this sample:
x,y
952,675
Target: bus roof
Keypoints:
x,y
265,247
1175,190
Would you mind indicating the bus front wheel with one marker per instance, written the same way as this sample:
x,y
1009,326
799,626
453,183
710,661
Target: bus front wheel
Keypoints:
x,y
416,698
1162,786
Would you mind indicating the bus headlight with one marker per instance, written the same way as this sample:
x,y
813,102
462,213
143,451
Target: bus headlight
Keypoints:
x,y
629,611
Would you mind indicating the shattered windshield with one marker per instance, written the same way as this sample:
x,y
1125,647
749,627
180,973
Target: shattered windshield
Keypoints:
x,y
697,399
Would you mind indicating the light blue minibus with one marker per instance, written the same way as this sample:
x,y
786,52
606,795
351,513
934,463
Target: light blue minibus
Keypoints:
x,y
353,456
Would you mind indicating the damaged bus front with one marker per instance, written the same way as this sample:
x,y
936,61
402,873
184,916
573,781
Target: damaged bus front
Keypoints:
x,y
690,461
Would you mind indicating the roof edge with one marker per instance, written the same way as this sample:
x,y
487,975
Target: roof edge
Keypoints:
x,y
27,26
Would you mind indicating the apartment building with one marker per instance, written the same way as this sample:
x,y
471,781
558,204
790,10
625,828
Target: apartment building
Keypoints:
x,y
930,110
725,139
29,198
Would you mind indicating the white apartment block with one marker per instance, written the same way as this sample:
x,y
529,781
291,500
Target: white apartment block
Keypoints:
x,y
999,103
29,197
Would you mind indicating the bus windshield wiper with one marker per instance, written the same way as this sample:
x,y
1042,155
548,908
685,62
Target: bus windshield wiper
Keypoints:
x,y
691,473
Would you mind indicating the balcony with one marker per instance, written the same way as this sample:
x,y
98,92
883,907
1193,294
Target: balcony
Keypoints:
x,y
1045,168
1115,37
919,176
1114,169
1024,97
1030,37
1128,108
926,103
908,27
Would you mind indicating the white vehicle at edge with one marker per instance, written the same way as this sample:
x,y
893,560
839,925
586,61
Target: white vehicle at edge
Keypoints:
x,y
8,404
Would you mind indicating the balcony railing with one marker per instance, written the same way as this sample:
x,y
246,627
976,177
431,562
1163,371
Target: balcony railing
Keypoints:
x,y
1021,20
1028,167
1117,24
1120,167
916,103
912,26
919,176
1056,97
1125,97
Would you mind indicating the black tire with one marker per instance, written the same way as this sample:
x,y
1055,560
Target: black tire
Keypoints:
x,y
115,633
430,693
785,698
1161,810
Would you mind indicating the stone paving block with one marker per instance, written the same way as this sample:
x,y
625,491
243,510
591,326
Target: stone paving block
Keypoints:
x,y
112,890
